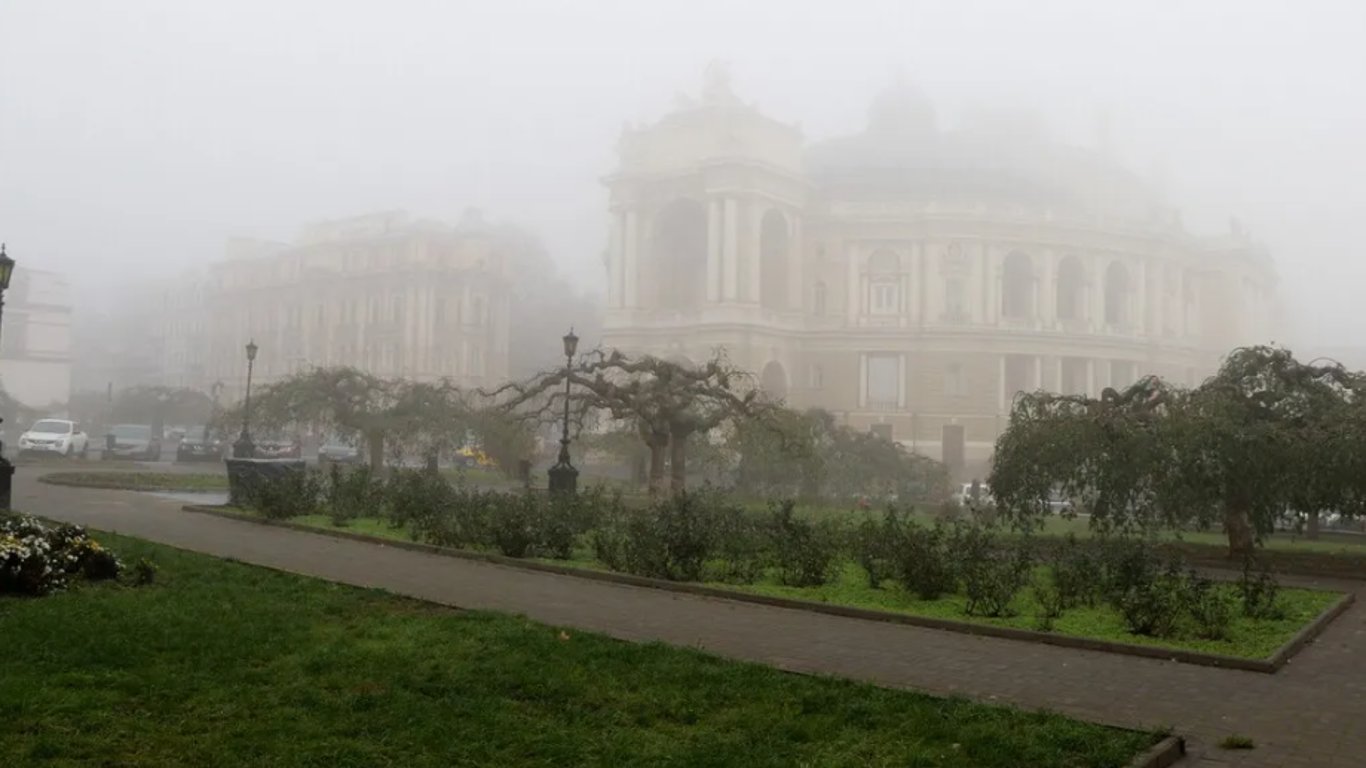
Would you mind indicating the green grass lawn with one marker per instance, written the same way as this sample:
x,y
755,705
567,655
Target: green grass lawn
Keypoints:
x,y
224,664
140,481
1247,638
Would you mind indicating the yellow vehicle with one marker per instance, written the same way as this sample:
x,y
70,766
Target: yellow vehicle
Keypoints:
x,y
473,457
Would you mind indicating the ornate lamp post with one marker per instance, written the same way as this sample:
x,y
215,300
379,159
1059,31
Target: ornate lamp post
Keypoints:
x,y
6,468
244,448
564,478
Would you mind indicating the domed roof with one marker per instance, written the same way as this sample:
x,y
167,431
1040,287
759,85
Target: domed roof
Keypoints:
x,y
901,109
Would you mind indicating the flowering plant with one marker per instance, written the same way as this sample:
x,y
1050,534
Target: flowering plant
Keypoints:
x,y
37,559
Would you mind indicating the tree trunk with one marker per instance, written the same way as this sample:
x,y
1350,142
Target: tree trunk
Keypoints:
x,y
678,458
1311,528
376,444
1241,537
657,468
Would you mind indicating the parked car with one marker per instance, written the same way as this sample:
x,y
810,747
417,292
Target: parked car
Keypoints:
x,y
338,452
135,441
54,436
199,444
278,447
964,495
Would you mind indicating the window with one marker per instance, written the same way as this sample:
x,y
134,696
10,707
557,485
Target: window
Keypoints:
x,y
440,312
478,311
398,310
884,298
953,380
884,282
884,380
817,377
818,299
1017,286
954,304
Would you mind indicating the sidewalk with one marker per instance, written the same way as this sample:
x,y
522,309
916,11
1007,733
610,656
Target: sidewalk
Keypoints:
x,y
1311,713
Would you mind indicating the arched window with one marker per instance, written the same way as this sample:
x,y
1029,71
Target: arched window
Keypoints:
x,y
1071,284
1017,286
679,255
955,299
884,283
1116,295
773,260
818,299
773,380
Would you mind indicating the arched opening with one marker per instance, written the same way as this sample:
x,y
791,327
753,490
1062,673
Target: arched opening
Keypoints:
x,y
679,252
1071,284
884,283
1116,295
773,260
818,299
1017,286
773,380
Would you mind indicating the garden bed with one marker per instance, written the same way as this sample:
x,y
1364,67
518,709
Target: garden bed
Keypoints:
x,y
139,481
221,663
1262,645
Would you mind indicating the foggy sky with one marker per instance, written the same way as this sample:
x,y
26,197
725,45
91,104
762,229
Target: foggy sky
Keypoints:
x,y
137,135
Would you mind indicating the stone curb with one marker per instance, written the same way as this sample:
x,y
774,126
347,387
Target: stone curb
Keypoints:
x,y
1266,665
1162,754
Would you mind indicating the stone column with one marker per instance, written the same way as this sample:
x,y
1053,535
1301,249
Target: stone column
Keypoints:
x,y
851,304
616,274
1091,378
731,250
796,267
1097,294
631,270
714,248
1001,399
752,255
901,380
1047,308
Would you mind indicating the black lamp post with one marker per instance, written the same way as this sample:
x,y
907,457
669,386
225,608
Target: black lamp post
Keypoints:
x,y
6,468
564,478
244,448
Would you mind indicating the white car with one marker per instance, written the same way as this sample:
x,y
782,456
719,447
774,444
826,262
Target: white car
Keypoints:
x,y
59,436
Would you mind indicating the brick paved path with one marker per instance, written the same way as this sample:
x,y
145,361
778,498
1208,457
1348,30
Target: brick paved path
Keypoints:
x,y
1311,713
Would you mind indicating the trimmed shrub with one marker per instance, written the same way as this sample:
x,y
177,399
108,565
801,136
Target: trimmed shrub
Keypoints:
x,y
1211,607
875,544
358,491
1076,573
291,493
991,575
1154,607
923,563
1259,590
804,551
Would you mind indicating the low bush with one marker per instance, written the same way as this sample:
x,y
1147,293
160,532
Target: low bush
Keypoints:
x,y
1154,607
991,574
1077,574
1211,608
875,544
359,491
287,494
804,551
923,563
741,548
37,559
1259,590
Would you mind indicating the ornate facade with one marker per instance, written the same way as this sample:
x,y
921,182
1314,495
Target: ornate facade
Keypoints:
x,y
397,298
912,279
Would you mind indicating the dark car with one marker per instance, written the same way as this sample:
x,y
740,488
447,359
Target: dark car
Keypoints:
x,y
278,447
199,444
135,441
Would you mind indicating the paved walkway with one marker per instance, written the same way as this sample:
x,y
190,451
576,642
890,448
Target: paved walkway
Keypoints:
x,y
1311,713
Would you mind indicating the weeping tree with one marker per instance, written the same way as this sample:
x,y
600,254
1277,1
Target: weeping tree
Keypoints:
x,y
808,454
389,417
668,404
1267,436
161,405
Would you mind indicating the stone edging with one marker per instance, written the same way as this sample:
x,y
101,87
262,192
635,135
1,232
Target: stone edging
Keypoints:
x,y
1162,754
1266,665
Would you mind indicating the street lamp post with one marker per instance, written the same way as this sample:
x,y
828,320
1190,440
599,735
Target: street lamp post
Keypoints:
x,y
6,468
564,478
244,448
